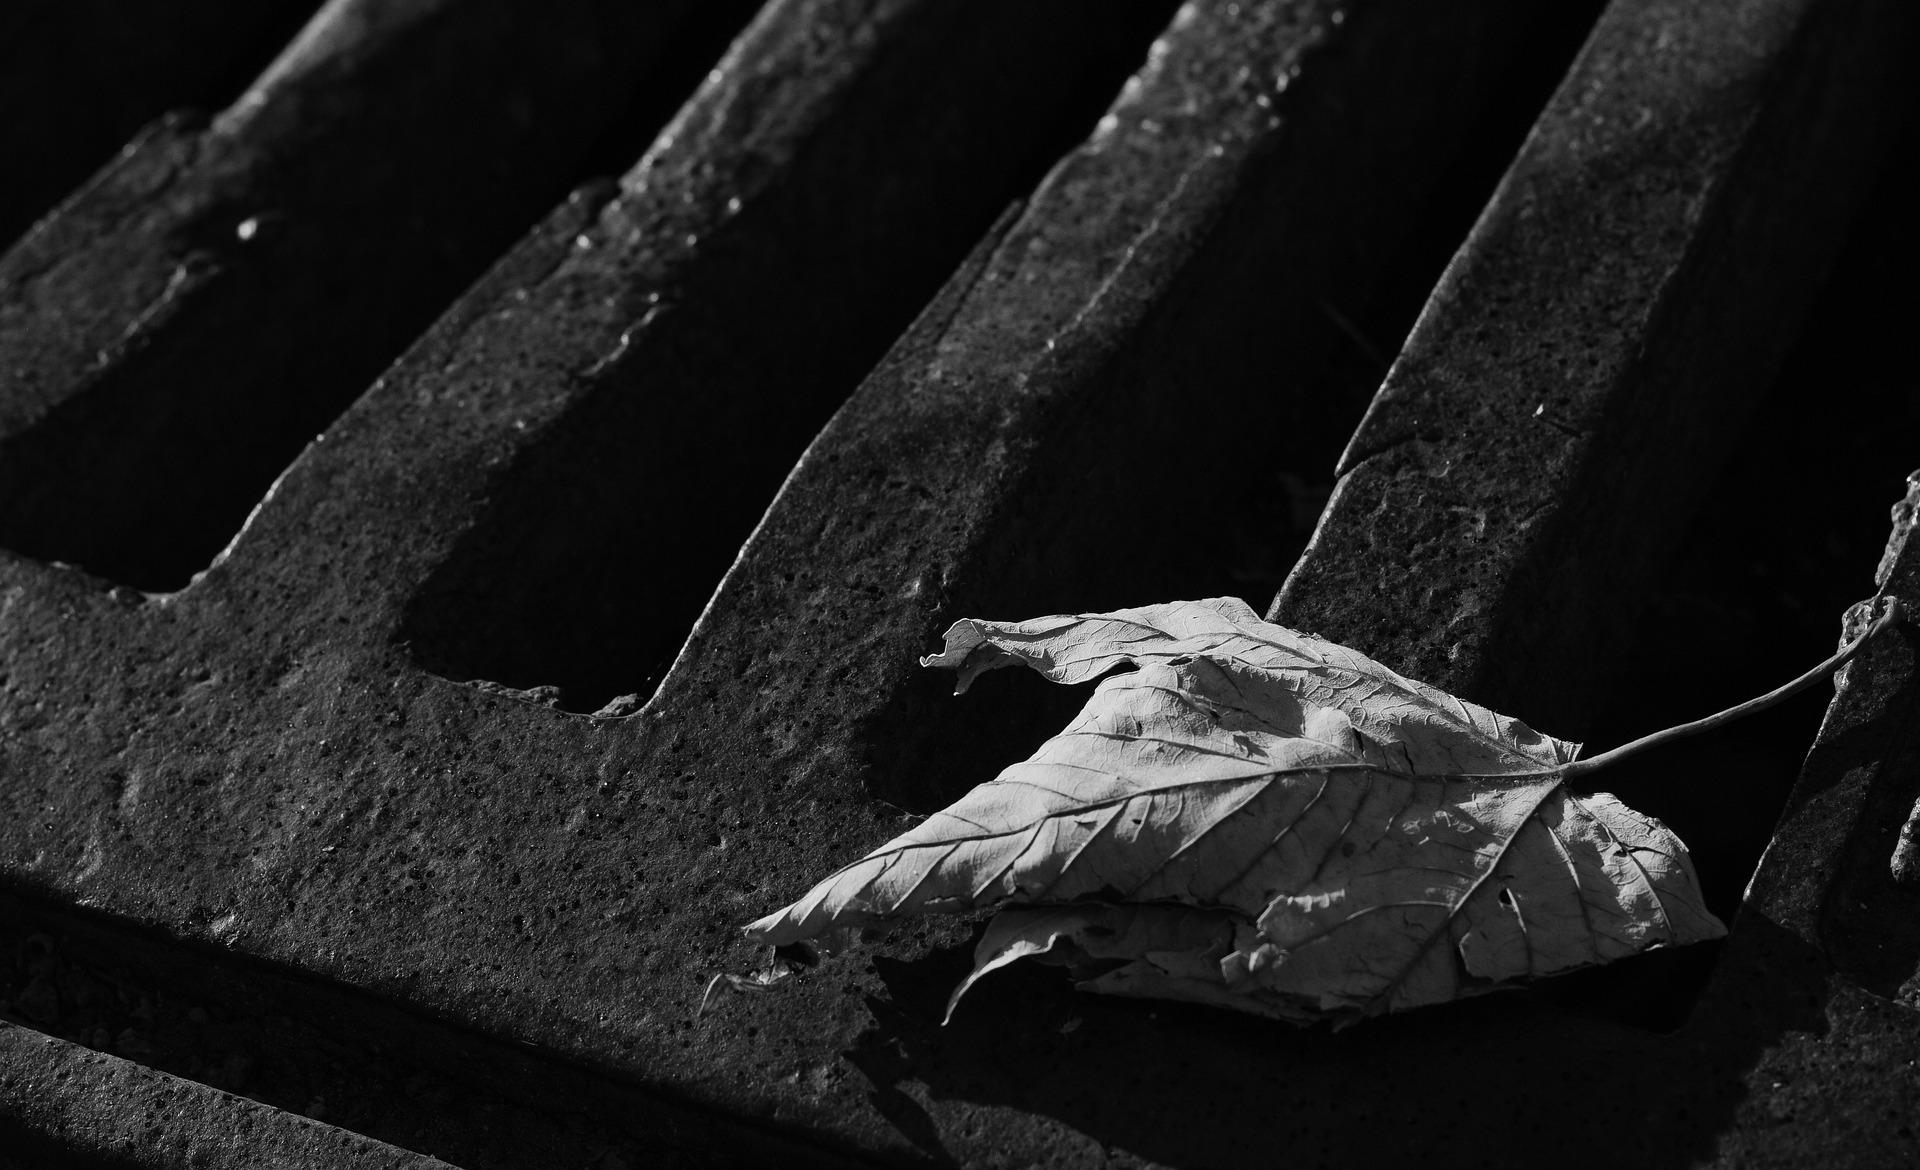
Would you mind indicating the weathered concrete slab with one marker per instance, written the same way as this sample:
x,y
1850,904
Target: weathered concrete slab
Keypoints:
x,y
836,167
189,319
257,772
63,1105
264,771
78,77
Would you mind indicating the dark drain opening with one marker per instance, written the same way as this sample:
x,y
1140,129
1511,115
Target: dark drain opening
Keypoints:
x,y
78,77
307,1047
609,533
181,328
1788,539
1276,376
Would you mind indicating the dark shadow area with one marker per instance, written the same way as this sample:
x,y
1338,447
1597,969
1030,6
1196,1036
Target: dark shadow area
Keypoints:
x,y
22,1149
78,77
1514,1079
1235,400
610,531
213,300
1787,540
311,1048
165,1009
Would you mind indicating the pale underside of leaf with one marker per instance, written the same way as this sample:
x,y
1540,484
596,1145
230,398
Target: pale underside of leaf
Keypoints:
x,y
1265,820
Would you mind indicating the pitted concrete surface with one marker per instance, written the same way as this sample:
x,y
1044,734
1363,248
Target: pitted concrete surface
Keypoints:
x,y
339,763
300,792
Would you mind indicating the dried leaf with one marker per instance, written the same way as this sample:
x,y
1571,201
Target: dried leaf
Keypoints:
x,y
1264,820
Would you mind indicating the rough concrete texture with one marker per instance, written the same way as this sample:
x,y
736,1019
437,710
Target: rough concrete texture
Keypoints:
x,y
76,1107
190,318
256,770
347,769
78,76
320,1052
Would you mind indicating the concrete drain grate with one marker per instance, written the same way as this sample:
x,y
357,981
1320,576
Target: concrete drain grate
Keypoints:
x,y
585,631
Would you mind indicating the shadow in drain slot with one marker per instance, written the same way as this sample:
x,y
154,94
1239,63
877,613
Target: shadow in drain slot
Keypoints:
x,y
187,322
1787,540
608,534
1207,437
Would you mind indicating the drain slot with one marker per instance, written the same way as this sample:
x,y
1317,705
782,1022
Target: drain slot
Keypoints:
x,y
609,530
185,323
77,78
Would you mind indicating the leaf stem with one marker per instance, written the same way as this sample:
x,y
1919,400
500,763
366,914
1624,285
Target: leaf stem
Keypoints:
x,y
1892,614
